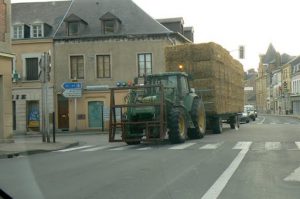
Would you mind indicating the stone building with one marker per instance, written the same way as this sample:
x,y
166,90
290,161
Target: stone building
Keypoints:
x,y
32,36
95,43
6,58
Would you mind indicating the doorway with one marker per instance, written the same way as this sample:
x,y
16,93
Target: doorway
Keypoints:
x,y
33,116
95,114
63,112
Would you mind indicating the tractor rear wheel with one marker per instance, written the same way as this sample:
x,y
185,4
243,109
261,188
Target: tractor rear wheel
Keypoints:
x,y
199,120
177,126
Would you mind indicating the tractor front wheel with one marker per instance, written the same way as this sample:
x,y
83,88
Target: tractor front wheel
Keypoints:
x,y
199,120
177,126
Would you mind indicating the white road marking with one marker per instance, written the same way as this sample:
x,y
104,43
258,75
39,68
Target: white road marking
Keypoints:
x,y
272,123
272,146
294,176
96,148
287,123
74,148
216,189
262,121
211,146
122,148
144,148
298,144
242,145
182,146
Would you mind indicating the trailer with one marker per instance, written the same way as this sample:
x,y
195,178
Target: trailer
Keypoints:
x,y
215,76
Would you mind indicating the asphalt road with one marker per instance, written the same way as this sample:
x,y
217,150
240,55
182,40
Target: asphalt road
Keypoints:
x,y
260,160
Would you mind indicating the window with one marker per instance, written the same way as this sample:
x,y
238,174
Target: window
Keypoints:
x,y
18,31
103,66
73,28
77,67
144,64
109,26
37,31
32,68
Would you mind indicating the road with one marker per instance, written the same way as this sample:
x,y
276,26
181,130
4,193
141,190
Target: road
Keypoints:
x,y
260,160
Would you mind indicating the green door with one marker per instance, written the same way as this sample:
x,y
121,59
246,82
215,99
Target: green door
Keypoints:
x,y
95,112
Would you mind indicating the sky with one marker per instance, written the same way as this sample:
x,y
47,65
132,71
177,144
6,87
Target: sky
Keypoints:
x,y
231,23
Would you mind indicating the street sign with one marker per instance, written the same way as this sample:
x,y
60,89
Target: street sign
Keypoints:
x,y
72,93
71,85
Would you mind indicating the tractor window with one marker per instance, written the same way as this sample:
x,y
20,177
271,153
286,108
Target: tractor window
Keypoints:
x,y
184,86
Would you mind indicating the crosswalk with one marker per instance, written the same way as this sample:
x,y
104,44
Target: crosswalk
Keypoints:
x,y
252,146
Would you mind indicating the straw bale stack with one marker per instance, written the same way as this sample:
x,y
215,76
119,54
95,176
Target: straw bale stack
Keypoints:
x,y
215,74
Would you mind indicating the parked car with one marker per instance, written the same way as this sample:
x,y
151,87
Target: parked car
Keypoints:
x,y
251,111
245,117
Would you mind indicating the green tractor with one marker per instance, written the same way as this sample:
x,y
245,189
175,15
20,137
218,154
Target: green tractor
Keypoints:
x,y
165,106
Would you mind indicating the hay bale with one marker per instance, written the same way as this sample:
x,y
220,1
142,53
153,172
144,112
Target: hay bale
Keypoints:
x,y
216,76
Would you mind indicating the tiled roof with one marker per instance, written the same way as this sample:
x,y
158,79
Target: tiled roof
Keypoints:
x,y
134,20
50,13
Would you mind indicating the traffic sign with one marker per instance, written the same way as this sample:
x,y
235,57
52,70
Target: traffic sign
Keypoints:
x,y
71,85
72,93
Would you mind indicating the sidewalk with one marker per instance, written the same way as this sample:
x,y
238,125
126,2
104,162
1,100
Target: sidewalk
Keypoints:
x,y
280,115
10,150
31,143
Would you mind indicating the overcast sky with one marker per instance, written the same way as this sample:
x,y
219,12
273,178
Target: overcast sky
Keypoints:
x,y
252,23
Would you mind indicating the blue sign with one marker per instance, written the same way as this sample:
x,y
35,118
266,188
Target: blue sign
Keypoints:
x,y
72,85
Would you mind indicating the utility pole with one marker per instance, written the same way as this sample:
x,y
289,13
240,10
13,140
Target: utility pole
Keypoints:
x,y
45,67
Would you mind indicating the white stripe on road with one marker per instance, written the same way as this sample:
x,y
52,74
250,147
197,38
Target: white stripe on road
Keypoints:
x,y
182,146
272,123
122,148
298,144
211,146
96,148
216,189
242,145
144,148
272,146
262,121
74,148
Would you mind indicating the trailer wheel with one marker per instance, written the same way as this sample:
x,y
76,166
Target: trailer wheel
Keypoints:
x,y
177,126
234,122
217,125
199,120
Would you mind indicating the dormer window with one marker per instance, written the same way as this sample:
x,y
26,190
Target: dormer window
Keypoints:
x,y
74,25
37,30
109,26
110,23
20,31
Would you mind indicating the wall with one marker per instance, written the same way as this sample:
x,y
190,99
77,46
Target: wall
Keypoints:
x,y
124,67
5,99
30,89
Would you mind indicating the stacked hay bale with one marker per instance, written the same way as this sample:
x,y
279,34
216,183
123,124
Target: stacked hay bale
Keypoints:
x,y
216,76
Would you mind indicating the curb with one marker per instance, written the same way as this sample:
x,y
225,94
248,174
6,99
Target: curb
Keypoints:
x,y
34,151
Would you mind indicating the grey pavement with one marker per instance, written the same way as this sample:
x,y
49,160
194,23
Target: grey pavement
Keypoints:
x,y
31,143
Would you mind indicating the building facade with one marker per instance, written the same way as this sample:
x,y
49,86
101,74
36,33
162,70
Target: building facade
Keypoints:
x,y
250,87
6,58
101,48
295,86
32,37
273,82
115,41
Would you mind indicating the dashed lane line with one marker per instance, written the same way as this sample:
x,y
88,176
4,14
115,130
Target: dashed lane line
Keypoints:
x,y
211,146
96,148
182,146
74,148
